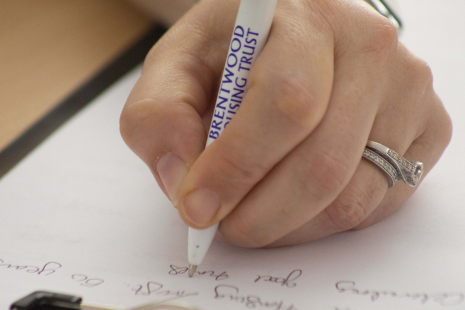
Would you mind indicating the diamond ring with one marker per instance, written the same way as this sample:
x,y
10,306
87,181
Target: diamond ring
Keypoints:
x,y
394,166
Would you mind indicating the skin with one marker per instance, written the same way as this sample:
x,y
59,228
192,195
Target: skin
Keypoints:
x,y
288,169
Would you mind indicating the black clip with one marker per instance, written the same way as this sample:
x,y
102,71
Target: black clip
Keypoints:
x,y
42,300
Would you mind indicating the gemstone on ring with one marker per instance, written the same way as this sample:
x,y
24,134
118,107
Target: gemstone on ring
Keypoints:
x,y
409,172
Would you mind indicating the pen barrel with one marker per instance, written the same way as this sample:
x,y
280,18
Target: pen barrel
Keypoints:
x,y
198,243
250,33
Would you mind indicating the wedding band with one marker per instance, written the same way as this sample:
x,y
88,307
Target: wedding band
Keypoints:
x,y
394,166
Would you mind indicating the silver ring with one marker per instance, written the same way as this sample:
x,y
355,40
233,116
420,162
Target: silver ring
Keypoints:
x,y
395,166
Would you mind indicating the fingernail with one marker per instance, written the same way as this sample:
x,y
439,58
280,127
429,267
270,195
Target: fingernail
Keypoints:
x,y
201,205
172,171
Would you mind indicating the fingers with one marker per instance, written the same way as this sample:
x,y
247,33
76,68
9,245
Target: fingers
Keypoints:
x,y
416,125
288,92
314,174
162,119
427,149
356,202
366,199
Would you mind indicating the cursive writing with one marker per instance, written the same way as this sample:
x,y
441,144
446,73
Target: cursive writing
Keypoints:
x,y
231,293
288,281
86,281
175,270
443,299
46,270
154,288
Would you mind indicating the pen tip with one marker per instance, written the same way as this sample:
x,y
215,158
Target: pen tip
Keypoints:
x,y
192,269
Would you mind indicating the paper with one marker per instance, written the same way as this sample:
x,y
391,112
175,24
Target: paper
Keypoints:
x,y
83,215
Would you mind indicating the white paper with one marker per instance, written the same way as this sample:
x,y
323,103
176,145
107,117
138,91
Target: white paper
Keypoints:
x,y
83,215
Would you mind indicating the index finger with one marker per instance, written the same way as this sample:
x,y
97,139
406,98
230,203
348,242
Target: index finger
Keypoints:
x,y
163,114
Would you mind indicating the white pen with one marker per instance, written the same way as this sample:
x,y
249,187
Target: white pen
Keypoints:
x,y
250,33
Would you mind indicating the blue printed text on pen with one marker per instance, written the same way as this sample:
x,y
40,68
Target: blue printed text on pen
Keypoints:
x,y
232,88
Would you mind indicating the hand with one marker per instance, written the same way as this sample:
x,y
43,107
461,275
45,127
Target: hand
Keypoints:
x,y
288,168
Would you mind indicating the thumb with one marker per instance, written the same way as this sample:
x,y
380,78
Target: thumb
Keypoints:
x,y
163,119
167,136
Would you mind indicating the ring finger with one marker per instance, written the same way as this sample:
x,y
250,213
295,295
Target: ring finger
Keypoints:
x,y
366,199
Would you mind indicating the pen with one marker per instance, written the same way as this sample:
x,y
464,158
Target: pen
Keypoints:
x,y
250,33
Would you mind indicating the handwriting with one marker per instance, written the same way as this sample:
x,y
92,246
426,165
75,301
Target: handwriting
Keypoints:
x,y
288,282
85,281
154,288
175,270
46,270
231,293
443,299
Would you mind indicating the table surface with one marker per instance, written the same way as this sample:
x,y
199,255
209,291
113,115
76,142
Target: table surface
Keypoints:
x,y
50,47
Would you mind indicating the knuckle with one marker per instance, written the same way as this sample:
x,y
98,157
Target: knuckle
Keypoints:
x,y
151,57
416,77
426,72
447,129
129,121
347,212
149,126
417,82
239,168
241,234
382,40
323,176
296,103
444,128
419,72
140,118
